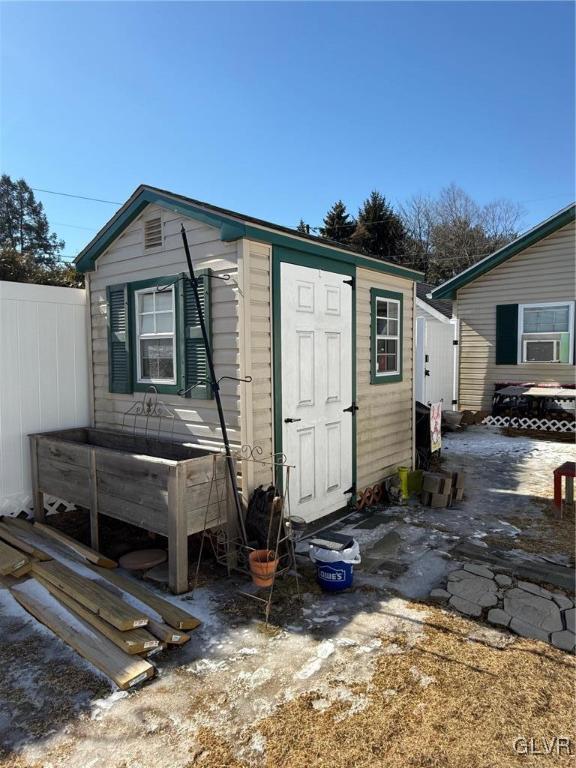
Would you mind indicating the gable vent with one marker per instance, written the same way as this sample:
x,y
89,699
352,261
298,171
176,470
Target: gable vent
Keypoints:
x,y
153,233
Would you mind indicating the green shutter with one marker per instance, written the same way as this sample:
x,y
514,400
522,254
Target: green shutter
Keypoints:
x,y
119,358
194,368
506,334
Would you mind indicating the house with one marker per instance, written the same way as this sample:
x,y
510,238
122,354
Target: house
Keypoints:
x,y
325,333
435,372
516,313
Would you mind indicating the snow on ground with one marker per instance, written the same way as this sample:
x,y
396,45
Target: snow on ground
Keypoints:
x,y
57,710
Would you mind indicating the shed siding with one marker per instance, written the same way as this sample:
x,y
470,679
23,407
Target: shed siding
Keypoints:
x,y
126,261
384,420
543,272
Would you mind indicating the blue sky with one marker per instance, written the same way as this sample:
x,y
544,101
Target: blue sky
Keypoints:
x,y
278,109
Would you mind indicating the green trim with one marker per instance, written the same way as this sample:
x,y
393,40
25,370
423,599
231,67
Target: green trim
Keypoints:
x,y
230,229
448,289
139,386
506,352
289,256
378,293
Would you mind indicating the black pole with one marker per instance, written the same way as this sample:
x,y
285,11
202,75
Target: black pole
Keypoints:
x,y
215,388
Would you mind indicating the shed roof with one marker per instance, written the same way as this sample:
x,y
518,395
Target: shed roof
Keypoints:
x,y
448,289
444,306
233,226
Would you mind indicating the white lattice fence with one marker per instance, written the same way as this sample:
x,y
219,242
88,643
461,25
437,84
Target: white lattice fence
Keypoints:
x,y
548,425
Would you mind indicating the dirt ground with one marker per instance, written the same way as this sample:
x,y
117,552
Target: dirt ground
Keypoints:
x,y
370,677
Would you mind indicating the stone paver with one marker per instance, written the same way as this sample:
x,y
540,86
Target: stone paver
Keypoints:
x,y
479,570
477,590
534,589
440,595
565,640
542,614
499,617
465,606
462,575
563,602
529,630
570,618
503,580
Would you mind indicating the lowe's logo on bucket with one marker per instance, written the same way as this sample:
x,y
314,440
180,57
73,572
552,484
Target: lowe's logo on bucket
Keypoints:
x,y
332,574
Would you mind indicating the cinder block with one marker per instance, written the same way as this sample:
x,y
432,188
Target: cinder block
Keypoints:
x,y
440,499
458,479
425,498
458,494
432,483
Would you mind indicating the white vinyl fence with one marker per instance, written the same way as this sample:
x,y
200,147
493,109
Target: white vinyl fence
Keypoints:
x,y
43,376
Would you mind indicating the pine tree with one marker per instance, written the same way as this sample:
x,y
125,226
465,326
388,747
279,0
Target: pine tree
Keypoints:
x,y
379,231
338,224
303,227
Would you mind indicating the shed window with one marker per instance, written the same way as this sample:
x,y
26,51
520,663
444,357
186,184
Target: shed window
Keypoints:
x,y
386,347
546,333
156,344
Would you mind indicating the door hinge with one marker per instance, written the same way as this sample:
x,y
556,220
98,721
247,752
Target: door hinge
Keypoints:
x,y
426,372
352,489
455,342
454,402
426,358
352,409
351,282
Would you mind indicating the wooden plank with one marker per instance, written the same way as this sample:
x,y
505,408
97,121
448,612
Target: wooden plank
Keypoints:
x,y
172,614
136,514
153,651
67,452
135,490
22,571
64,481
126,671
146,469
10,559
92,595
177,532
167,634
131,641
94,529
20,543
89,554
37,494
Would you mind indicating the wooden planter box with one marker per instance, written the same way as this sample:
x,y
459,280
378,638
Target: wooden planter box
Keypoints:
x,y
159,485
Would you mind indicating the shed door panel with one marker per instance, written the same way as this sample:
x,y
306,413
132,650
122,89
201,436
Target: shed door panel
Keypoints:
x,y
316,388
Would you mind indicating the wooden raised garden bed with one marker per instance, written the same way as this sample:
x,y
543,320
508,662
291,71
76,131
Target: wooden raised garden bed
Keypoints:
x,y
159,485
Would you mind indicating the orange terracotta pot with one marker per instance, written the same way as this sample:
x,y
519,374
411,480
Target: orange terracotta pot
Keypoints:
x,y
262,567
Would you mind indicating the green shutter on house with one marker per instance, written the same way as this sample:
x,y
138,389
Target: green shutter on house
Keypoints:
x,y
194,368
119,357
506,334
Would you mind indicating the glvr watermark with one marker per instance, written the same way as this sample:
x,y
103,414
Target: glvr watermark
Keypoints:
x,y
542,745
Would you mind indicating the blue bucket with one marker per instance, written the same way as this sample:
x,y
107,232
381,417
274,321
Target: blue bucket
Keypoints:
x,y
335,570
333,577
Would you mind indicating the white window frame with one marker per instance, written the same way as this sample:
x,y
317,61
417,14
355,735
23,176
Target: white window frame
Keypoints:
x,y
388,337
162,335
545,335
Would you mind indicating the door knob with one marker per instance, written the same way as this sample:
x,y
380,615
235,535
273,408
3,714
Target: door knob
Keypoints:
x,y
291,421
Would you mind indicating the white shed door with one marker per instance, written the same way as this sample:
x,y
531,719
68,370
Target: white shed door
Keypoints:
x,y
316,388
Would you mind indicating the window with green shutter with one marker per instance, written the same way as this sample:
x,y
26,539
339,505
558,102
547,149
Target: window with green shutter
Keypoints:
x,y
155,338
386,347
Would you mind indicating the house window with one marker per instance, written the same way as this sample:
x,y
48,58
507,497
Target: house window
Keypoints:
x,y
545,333
156,338
386,346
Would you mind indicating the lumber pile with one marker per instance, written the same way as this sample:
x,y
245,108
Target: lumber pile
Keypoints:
x,y
111,620
442,489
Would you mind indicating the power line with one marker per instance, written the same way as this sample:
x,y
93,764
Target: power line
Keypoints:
x,y
73,226
78,197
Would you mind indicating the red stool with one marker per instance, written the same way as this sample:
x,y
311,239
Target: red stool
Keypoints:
x,y
567,470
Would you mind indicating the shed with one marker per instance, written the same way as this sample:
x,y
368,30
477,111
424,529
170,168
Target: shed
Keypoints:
x,y
516,313
325,333
436,370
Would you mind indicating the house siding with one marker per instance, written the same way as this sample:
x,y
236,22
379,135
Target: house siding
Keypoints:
x,y
125,260
384,433
544,272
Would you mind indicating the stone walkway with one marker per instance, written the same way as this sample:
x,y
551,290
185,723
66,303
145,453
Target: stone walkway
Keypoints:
x,y
523,607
